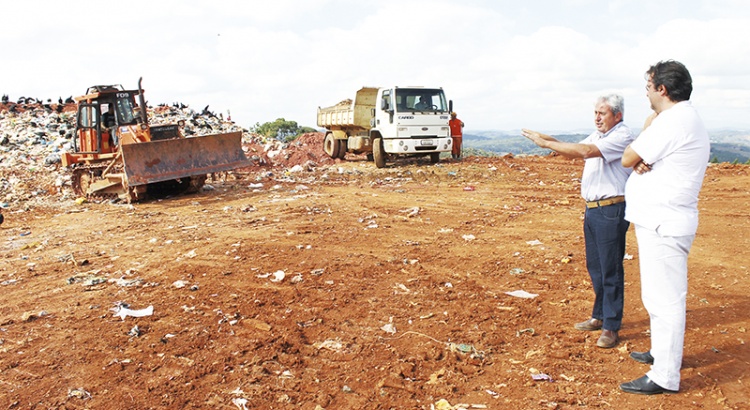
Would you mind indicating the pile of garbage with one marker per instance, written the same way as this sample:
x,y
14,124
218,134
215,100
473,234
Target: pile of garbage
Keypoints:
x,y
33,135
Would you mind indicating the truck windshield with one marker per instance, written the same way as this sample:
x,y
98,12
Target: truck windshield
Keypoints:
x,y
420,99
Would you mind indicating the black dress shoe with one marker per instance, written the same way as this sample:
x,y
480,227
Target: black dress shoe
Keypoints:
x,y
644,385
642,357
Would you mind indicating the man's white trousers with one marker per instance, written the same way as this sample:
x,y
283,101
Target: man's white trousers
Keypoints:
x,y
663,263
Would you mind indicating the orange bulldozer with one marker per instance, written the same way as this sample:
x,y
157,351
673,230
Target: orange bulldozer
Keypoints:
x,y
118,155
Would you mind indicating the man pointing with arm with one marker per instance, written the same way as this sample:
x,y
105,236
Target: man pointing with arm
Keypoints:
x,y
604,226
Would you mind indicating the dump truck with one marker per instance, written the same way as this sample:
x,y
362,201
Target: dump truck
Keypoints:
x,y
117,154
387,123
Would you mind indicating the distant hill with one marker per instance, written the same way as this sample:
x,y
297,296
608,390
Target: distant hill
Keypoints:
x,y
726,145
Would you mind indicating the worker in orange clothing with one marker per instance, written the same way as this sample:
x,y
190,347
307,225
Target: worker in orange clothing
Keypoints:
x,y
456,127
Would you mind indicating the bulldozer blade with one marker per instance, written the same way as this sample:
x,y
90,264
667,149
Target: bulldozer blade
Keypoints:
x,y
164,160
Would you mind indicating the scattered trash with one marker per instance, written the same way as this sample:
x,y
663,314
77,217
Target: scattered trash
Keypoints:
x,y
333,345
445,230
469,237
134,332
535,242
87,278
527,330
516,271
522,294
469,188
567,378
277,276
286,374
123,311
347,389
461,347
628,257
541,377
240,403
179,284
444,404
79,393
389,328
127,282
411,212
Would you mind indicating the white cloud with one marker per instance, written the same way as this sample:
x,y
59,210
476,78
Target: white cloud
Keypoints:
x,y
506,65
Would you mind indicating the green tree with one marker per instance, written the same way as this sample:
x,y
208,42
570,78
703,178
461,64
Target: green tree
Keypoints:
x,y
281,129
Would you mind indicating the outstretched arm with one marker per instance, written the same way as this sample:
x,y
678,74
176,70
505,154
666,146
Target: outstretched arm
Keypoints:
x,y
568,149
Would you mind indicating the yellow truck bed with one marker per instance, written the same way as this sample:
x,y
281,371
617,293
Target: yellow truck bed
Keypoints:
x,y
348,113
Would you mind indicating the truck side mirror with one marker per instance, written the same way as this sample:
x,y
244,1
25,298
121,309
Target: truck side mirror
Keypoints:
x,y
384,105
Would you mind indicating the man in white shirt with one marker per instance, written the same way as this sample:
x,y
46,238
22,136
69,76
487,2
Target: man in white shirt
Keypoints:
x,y
669,159
604,224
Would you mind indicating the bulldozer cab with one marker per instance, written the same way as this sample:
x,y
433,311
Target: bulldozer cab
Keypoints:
x,y
102,113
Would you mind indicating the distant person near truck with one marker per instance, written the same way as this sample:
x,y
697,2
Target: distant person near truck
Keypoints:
x,y
457,127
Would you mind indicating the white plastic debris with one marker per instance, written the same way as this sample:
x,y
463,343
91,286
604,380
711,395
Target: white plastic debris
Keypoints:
x,y
277,276
535,242
411,212
522,294
388,328
240,402
179,284
123,312
468,238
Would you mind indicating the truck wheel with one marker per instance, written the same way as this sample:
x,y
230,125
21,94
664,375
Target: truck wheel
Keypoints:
x,y
378,152
342,149
331,146
435,157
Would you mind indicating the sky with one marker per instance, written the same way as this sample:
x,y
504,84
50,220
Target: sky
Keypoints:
x,y
505,64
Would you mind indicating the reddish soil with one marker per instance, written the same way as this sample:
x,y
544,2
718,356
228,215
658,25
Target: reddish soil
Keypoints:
x,y
393,296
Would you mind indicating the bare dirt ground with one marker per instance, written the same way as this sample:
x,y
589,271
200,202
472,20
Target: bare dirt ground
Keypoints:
x,y
352,287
